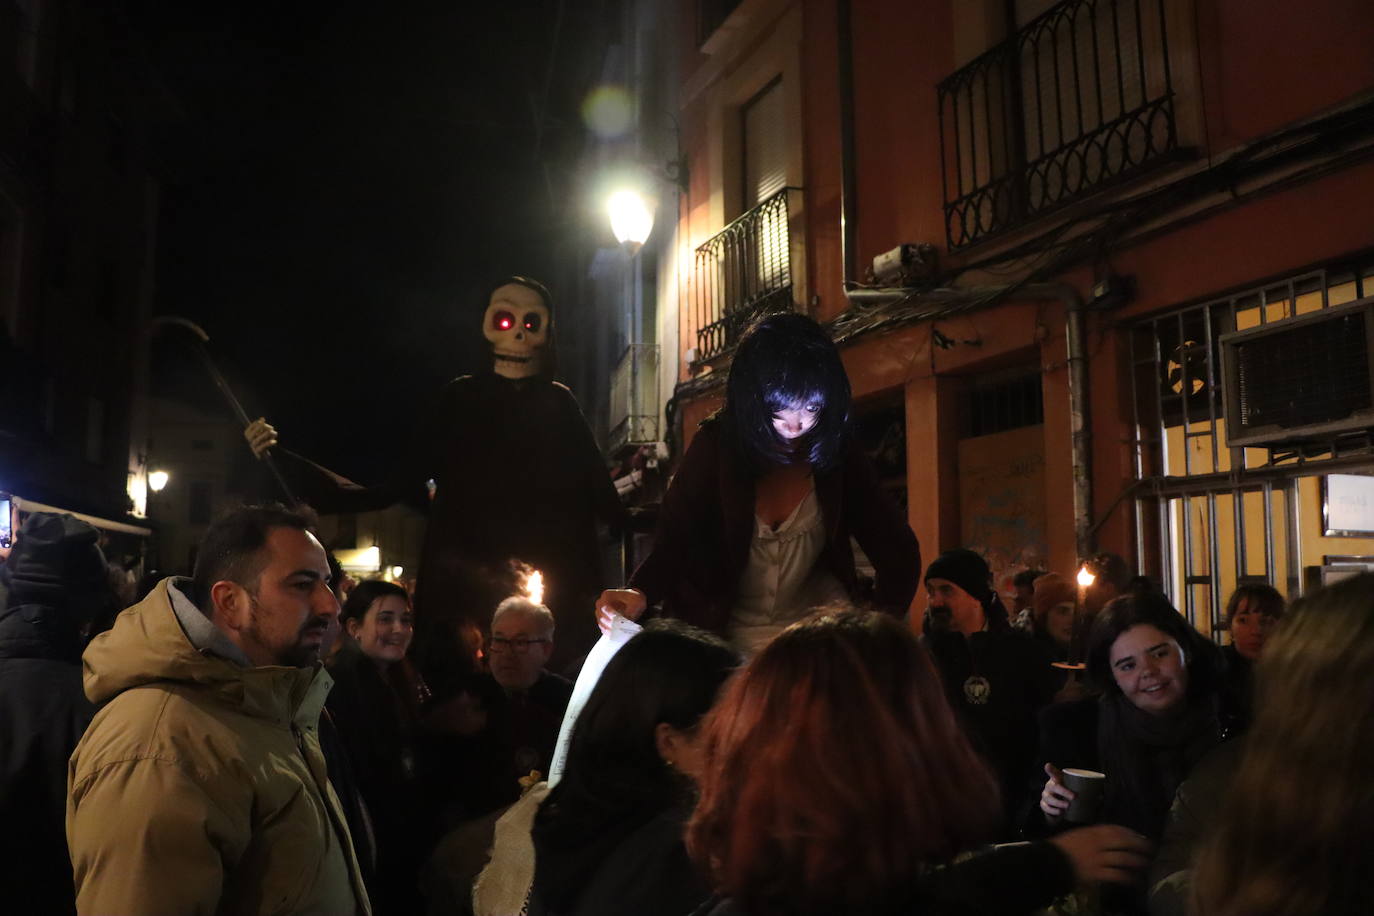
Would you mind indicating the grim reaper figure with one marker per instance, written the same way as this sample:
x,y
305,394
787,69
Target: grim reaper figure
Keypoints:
x,y
517,478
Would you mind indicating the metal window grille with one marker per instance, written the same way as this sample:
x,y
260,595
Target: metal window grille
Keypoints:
x,y
1198,499
742,272
1079,98
1000,406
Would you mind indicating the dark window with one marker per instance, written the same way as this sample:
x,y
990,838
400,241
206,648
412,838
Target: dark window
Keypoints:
x,y
95,430
116,149
200,502
108,300
65,84
59,256
996,407
202,445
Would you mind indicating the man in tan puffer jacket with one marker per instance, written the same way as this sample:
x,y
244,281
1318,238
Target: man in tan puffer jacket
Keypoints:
x,y
199,786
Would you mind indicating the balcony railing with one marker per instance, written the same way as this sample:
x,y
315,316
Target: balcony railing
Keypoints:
x,y
634,399
742,272
1079,98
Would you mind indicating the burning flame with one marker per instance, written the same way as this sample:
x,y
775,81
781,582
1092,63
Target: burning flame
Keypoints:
x,y
1086,578
533,586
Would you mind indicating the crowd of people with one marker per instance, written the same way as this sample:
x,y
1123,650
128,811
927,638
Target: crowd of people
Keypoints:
x,y
779,739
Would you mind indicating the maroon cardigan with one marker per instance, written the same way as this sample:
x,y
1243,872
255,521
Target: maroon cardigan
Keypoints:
x,y
701,545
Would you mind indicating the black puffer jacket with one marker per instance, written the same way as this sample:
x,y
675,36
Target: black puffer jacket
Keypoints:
x,y
43,713
56,583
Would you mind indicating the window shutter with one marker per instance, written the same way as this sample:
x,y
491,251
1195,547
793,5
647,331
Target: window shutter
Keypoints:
x,y
765,146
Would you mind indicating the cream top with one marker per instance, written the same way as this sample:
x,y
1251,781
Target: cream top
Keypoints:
x,y
780,583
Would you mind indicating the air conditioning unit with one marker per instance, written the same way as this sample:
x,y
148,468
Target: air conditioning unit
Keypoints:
x,y
1302,378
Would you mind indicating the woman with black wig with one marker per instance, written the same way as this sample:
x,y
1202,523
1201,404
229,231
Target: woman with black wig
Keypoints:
x,y
609,838
755,527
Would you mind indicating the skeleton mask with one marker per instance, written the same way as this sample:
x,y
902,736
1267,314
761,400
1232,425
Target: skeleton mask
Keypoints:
x,y
517,325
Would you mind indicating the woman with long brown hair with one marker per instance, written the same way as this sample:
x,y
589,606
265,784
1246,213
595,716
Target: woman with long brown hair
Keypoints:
x,y
1296,834
836,781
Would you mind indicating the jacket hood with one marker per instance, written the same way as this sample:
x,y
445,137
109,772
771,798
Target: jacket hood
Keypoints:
x,y
148,645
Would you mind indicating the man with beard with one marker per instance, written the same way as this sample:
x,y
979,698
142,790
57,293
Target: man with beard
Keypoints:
x,y
200,786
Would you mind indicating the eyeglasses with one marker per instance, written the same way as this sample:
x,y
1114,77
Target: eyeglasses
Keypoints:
x,y
519,645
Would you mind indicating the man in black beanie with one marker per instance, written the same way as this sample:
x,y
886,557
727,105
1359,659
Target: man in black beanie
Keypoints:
x,y
995,677
57,583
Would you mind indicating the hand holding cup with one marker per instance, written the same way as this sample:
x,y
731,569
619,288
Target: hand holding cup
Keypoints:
x,y
1056,797
1087,787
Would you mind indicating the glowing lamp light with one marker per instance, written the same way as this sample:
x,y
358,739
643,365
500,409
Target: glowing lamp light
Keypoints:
x,y
1085,578
533,587
157,480
396,571
632,219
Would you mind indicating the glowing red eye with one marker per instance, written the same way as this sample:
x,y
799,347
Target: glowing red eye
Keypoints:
x,y
503,321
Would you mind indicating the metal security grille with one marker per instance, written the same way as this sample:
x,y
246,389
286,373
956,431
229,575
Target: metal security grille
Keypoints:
x,y
1078,98
742,272
1209,516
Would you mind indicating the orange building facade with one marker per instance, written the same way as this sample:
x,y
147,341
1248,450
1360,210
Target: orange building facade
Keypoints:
x,y
1159,173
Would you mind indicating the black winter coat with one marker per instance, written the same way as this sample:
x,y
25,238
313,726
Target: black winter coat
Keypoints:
x,y
1012,880
43,714
998,717
644,869
375,726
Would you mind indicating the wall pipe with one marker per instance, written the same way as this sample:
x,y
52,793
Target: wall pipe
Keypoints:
x,y
1080,421
849,214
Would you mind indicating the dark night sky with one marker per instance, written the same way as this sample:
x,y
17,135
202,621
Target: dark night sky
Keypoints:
x,y
347,179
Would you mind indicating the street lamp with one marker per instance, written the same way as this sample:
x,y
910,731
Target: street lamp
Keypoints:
x,y
157,480
632,219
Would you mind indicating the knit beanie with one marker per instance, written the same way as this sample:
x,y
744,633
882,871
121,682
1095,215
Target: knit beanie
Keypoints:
x,y
56,561
965,569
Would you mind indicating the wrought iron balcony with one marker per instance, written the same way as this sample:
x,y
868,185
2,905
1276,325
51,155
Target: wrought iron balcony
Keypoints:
x,y
1078,99
742,272
634,399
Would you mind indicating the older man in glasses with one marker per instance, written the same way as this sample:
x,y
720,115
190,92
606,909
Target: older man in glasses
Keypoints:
x,y
521,645
523,705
